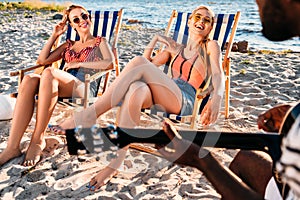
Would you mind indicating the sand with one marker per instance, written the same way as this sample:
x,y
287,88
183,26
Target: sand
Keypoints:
x,y
258,81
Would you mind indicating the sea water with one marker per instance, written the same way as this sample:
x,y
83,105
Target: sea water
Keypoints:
x,y
156,13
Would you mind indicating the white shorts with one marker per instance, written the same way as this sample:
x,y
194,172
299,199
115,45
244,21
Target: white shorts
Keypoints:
x,y
272,192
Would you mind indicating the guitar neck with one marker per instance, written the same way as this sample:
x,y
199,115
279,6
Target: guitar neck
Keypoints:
x,y
269,143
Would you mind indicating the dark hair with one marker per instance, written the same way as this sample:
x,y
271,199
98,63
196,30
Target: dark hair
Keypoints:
x,y
72,7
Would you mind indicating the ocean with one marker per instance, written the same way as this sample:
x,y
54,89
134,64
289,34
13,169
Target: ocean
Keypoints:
x,y
156,13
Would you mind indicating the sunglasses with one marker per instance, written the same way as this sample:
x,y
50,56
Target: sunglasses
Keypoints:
x,y
84,16
198,17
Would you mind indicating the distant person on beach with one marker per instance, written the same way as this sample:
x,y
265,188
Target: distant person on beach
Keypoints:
x,y
142,84
88,55
250,174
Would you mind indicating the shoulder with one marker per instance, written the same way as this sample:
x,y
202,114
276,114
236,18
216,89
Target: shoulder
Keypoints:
x,y
100,39
213,45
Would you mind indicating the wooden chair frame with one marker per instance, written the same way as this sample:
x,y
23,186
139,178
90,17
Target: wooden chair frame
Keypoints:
x,y
231,31
200,93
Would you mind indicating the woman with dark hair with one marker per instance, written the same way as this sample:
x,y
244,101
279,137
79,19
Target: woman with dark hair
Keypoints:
x,y
88,55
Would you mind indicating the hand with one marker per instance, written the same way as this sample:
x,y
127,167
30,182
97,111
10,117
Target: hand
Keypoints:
x,y
171,45
180,150
210,112
72,65
271,120
61,27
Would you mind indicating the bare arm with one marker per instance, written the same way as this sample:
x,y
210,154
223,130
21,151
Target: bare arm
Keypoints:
x,y
186,153
48,57
106,63
211,110
162,57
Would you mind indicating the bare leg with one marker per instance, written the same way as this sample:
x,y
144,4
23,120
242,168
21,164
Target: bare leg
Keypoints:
x,y
139,73
22,115
137,97
53,83
254,168
163,89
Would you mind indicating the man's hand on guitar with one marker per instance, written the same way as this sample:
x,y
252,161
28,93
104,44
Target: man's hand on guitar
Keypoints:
x,y
272,119
182,151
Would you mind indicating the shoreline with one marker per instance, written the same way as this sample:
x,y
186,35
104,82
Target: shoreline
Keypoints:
x,y
258,82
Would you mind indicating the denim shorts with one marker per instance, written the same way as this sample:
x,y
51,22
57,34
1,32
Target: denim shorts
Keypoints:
x,y
188,96
80,74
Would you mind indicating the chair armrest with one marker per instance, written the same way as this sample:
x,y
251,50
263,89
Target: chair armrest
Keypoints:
x,y
16,73
201,94
98,74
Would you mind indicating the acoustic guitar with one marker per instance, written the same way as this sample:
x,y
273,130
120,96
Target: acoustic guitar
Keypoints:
x,y
97,139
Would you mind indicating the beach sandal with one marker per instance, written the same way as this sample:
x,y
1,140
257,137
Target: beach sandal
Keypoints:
x,y
58,130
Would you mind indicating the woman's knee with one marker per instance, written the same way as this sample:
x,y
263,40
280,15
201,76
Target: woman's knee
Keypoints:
x,y
250,159
139,88
137,62
30,81
48,73
138,92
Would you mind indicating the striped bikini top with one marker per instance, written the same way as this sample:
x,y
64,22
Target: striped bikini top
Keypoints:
x,y
184,69
87,54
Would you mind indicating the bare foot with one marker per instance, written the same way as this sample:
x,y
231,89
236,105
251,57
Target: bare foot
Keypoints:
x,y
33,154
8,154
102,178
67,124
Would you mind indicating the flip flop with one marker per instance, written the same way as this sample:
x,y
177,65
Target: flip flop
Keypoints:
x,y
58,130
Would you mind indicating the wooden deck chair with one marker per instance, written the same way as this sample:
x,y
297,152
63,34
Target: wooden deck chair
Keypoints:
x,y
106,24
225,25
223,31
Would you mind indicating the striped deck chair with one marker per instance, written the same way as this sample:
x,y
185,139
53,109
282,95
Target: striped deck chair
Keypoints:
x,y
106,24
225,25
223,31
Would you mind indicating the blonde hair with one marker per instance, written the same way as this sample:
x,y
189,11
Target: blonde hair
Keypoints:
x,y
211,12
203,45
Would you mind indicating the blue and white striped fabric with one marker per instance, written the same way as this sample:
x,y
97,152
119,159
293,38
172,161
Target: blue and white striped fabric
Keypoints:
x,y
103,25
161,115
220,31
289,164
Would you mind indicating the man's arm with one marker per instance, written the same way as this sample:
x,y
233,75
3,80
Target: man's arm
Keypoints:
x,y
186,153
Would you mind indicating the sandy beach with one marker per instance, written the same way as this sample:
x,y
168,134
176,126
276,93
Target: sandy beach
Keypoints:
x,y
259,80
